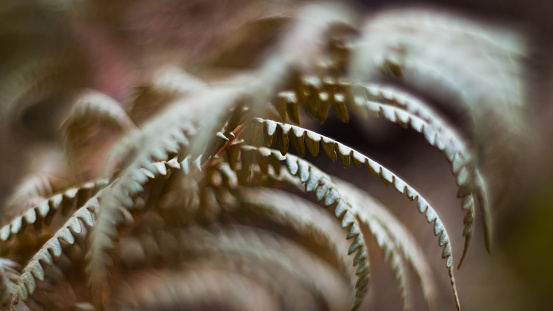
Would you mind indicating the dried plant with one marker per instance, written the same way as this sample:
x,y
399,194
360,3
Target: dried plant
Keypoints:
x,y
196,190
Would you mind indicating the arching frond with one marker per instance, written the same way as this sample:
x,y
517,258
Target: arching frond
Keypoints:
x,y
317,181
421,119
303,218
391,236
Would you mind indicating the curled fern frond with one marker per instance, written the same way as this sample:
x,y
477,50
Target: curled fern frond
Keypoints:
x,y
392,237
93,106
293,212
94,121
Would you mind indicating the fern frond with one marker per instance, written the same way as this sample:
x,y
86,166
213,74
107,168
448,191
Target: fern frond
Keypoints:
x,y
391,235
398,245
98,108
113,211
445,24
403,52
441,135
421,118
34,271
46,211
304,219
266,256
314,178
167,133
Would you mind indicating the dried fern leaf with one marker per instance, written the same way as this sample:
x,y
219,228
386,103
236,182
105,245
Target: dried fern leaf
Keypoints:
x,y
289,290
43,213
34,270
93,126
347,155
443,136
31,191
431,23
317,181
398,245
255,251
304,218
420,117
212,106
113,212
391,234
48,175
392,256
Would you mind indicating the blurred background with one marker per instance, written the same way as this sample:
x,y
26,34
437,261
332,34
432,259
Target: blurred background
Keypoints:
x,y
50,50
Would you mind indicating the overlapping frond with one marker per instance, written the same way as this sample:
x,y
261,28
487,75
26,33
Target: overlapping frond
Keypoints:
x,y
399,107
306,220
302,137
315,180
113,212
